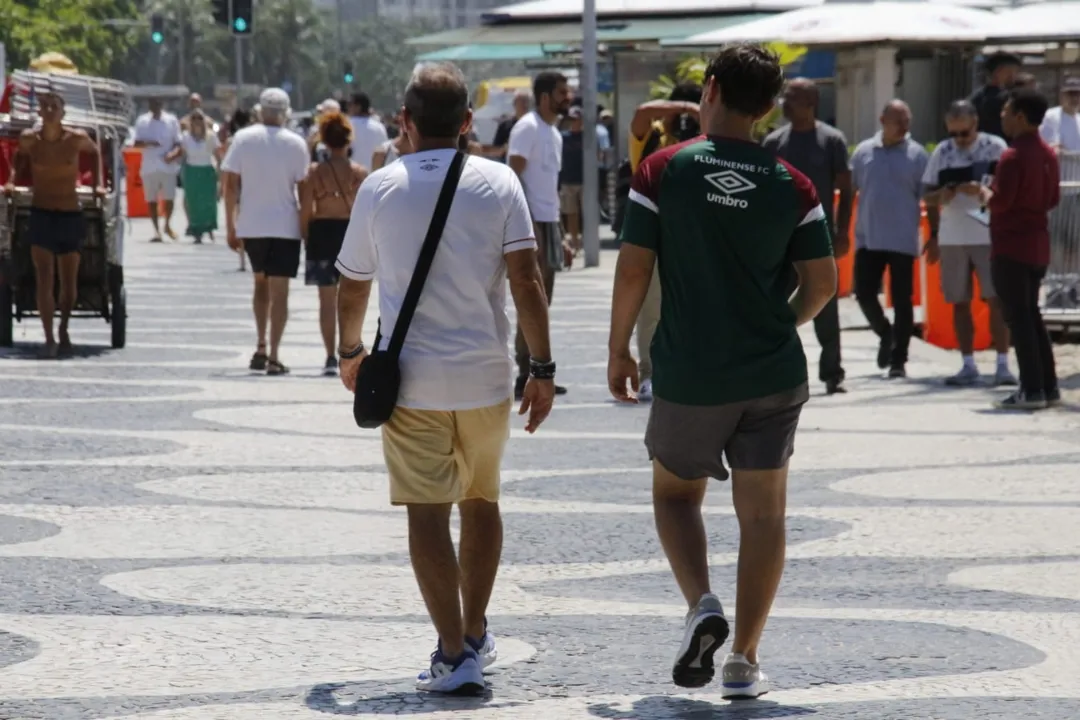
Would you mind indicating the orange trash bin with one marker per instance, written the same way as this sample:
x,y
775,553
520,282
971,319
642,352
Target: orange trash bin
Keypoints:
x,y
136,198
938,328
845,264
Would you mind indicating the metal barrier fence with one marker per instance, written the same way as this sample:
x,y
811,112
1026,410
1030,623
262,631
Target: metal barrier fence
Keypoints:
x,y
1061,288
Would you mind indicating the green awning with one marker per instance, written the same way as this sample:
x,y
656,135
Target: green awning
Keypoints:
x,y
491,52
611,32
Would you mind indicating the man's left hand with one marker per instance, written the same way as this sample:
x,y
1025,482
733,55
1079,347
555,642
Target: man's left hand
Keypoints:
x,y
233,240
969,188
841,243
348,368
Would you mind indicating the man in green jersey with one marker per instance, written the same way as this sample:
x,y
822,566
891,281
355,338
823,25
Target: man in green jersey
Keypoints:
x,y
727,221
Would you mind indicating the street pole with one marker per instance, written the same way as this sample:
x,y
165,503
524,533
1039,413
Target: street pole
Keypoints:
x,y
340,36
181,45
590,187
239,69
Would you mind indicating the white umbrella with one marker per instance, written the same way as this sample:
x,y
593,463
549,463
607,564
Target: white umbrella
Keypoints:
x,y
848,23
1039,21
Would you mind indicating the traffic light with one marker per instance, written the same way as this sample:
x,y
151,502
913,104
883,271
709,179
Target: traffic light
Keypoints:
x,y
241,17
221,12
157,28
348,73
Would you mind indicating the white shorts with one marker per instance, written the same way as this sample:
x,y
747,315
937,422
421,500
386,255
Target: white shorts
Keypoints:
x,y
159,186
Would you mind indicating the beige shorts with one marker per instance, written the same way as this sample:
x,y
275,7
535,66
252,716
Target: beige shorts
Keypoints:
x,y
957,264
570,199
445,456
159,186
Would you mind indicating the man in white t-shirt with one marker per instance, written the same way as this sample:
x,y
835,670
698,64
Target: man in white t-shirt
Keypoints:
x,y
953,180
534,152
368,132
157,133
1061,126
455,368
261,171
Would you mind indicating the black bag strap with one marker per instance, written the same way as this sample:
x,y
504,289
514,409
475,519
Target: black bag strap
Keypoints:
x,y
427,254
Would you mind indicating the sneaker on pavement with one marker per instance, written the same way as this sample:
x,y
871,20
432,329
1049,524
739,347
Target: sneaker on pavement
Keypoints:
x,y
1053,397
330,369
484,648
968,376
1004,378
645,391
835,387
742,681
1021,400
460,676
897,371
706,631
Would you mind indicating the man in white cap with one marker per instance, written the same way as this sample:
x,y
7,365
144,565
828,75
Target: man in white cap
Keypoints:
x,y
261,171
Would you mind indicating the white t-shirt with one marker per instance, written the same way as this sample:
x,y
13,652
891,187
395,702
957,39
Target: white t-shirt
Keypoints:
x,y
368,135
1061,128
456,354
199,152
165,131
270,161
541,146
957,226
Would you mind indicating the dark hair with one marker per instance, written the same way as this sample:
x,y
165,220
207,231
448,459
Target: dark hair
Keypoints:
x,y
545,84
749,77
961,109
685,92
1029,103
1001,59
240,120
437,100
335,131
1023,80
361,101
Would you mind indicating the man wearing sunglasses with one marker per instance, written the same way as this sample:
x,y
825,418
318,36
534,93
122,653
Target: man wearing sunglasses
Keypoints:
x,y
954,178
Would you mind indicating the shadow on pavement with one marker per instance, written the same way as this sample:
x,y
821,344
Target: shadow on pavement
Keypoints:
x,y
676,708
29,351
325,699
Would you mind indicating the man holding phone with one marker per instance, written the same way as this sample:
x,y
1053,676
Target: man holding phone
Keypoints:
x,y
954,178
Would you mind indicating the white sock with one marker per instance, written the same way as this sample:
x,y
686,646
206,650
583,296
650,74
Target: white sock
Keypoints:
x,y
969,362
1003,361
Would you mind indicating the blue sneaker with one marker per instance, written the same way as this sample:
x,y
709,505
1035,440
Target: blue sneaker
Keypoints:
x,y
460,676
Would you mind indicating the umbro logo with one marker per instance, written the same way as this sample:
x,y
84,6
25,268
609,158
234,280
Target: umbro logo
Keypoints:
x,y
428,166
729,183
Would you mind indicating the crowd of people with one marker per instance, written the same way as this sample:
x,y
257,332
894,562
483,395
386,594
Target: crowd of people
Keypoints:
x,y
728,245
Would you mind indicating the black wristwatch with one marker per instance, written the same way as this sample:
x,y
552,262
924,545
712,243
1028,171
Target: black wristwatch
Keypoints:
x,y
541,369
350,354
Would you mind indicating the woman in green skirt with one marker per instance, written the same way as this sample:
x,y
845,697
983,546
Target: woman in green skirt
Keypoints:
x,y
200,179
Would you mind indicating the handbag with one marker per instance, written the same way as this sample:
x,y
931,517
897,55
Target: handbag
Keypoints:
x,y
378,380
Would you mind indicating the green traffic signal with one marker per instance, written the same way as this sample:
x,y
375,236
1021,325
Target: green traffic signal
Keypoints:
x,y
240,24
349,78
157,37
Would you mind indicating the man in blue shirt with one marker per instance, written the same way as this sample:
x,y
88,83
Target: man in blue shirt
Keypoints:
x,y
887,172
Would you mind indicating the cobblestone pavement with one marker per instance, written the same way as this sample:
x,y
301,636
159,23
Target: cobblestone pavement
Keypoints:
x,y
182,540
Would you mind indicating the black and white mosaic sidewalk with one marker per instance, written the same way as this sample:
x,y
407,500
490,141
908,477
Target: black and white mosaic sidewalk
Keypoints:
x,y
182,540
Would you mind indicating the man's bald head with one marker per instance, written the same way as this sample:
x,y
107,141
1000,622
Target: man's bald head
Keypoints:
x,y
195,101
895,121
437,100
801,101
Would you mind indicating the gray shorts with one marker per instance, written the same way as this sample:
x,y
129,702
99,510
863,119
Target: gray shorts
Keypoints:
x,y
957,264
690,441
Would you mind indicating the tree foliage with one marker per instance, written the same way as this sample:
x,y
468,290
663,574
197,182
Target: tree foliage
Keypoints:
x,y
29,28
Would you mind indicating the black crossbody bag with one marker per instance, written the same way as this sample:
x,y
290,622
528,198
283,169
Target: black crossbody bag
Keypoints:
x,y
378,381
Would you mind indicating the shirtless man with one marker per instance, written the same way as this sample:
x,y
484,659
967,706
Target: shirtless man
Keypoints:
x,y
48,158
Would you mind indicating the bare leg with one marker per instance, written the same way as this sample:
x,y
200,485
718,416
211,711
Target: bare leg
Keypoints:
x,y
760,498
965,327
44,272
999,330
677,511
260,304
432,552
168,219
152,204
69,288
279,312
328,317
573,228
478,559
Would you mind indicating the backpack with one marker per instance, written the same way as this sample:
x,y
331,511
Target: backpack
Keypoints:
x,y
623,176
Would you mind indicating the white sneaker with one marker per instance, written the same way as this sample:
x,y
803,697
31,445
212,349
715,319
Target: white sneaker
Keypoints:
x,y
462,676
485,650
742,681
645,391
706,631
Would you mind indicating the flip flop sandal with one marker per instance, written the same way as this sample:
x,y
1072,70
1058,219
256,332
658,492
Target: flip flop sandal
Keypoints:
x,y
258,360
274,367
48,352
65,351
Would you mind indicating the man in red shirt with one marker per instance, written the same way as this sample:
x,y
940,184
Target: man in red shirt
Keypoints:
x,y
1025,189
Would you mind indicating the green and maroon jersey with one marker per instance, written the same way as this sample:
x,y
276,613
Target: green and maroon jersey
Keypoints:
x,y
726,220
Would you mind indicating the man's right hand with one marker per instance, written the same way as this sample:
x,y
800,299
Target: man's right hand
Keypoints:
x,y
537,399
233,240
622,370
932,250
